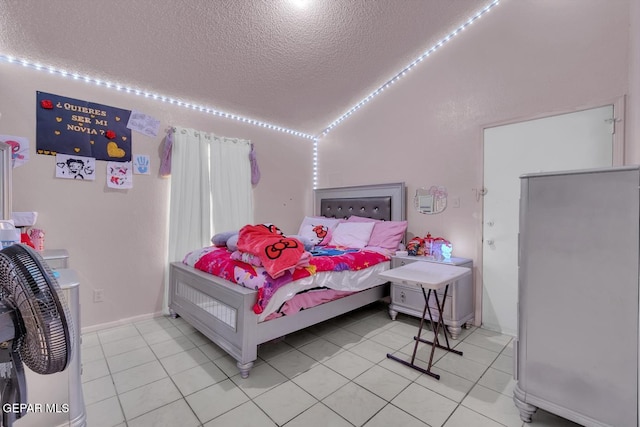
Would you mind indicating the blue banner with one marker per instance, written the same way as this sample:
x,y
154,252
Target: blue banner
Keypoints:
x,y
71,126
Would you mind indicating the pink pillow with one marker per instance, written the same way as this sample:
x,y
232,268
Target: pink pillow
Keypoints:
x,y
386,234
352,234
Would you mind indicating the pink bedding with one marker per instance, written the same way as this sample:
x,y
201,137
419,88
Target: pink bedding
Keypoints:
x,y
277,253
219,262
308,299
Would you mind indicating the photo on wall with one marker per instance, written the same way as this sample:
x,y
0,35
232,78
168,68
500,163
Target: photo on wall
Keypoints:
x,y
75,167
76,127
119,175
141,164
19,149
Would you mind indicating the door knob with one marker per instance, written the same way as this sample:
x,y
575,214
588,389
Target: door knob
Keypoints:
x,y
490,223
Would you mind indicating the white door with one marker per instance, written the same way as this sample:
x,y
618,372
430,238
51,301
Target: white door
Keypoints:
x,y
569,141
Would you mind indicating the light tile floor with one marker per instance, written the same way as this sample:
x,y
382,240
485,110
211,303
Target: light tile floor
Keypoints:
x,y
162,372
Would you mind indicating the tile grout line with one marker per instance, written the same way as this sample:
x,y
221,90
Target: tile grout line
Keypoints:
x,y
352,321
183,397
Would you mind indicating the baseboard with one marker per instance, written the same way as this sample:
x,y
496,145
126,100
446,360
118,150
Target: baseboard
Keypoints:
x,y
120,322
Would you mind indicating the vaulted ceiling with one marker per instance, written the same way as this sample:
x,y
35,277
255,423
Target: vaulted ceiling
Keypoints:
x,y
299,64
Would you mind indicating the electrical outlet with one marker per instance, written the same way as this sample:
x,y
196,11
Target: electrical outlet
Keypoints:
x,y
455,202
98,295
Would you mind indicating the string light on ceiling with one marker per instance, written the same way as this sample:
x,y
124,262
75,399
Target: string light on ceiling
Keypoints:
x,y
218,113
408,68
315,163
154,96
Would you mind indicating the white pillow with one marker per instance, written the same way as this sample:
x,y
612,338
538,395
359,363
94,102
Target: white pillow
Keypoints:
x,y
319,235
352,234
309,224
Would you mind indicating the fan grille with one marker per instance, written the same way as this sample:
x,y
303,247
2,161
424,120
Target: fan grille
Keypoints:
x,y
45,334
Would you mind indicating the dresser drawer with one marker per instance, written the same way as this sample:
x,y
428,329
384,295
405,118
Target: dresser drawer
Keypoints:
x,y
411,297
56,258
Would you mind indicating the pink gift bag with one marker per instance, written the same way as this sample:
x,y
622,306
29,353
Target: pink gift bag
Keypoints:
x,y
37,237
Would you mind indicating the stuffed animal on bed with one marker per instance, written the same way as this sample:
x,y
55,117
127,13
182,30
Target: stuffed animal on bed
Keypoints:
x,y
415,246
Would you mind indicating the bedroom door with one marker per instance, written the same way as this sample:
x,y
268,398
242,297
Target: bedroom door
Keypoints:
x,y
570,141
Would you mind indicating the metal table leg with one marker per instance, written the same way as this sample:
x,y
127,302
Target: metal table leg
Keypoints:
x,y
435,343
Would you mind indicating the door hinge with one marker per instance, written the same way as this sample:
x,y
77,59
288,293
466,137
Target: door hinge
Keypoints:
x,y
612,121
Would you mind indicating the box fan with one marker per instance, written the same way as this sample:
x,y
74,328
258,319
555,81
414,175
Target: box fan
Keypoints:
x,y
35,326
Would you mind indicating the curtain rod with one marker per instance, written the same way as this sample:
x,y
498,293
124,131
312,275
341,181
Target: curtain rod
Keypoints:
x,y
207,135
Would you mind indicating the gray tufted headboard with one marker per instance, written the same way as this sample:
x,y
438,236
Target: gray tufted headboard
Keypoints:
x,y
370,207
381,201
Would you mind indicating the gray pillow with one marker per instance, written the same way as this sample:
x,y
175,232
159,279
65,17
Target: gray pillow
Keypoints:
x,y
220,239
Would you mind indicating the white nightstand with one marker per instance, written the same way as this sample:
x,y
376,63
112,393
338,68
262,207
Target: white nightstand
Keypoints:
x,y
458,308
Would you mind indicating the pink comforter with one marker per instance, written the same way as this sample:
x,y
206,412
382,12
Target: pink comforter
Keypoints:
x,y
218,261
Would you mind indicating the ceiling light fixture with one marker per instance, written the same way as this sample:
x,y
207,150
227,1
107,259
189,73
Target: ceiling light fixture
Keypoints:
x,y
300,4
408,68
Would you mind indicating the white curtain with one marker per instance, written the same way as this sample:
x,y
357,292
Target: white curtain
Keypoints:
x,y
210,191
230,172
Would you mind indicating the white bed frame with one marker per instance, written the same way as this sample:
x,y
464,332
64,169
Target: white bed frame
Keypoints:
x,y
223,311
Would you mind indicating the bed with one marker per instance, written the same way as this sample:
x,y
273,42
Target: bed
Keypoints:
x,y
224,311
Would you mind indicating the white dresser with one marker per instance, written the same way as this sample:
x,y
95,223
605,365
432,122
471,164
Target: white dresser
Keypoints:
x,y
576,353
458,308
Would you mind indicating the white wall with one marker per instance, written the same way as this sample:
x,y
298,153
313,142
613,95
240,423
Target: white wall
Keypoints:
x,y
117,238
632,122
526,58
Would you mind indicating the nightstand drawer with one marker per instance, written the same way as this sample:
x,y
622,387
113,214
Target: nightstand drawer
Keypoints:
x,y
399,262
411,297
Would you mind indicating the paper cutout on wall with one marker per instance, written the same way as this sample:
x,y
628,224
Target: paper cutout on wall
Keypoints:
x,y
75,167
75,127
19,149
119,175
141,164
143,123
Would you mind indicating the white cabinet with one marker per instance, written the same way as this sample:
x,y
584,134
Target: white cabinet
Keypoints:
x,y
458,308
576,353
56,258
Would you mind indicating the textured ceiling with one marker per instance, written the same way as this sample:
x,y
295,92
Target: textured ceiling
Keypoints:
x,y
295,66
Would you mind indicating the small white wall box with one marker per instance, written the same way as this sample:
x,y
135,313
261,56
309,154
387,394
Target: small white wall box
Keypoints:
x,y
24,219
